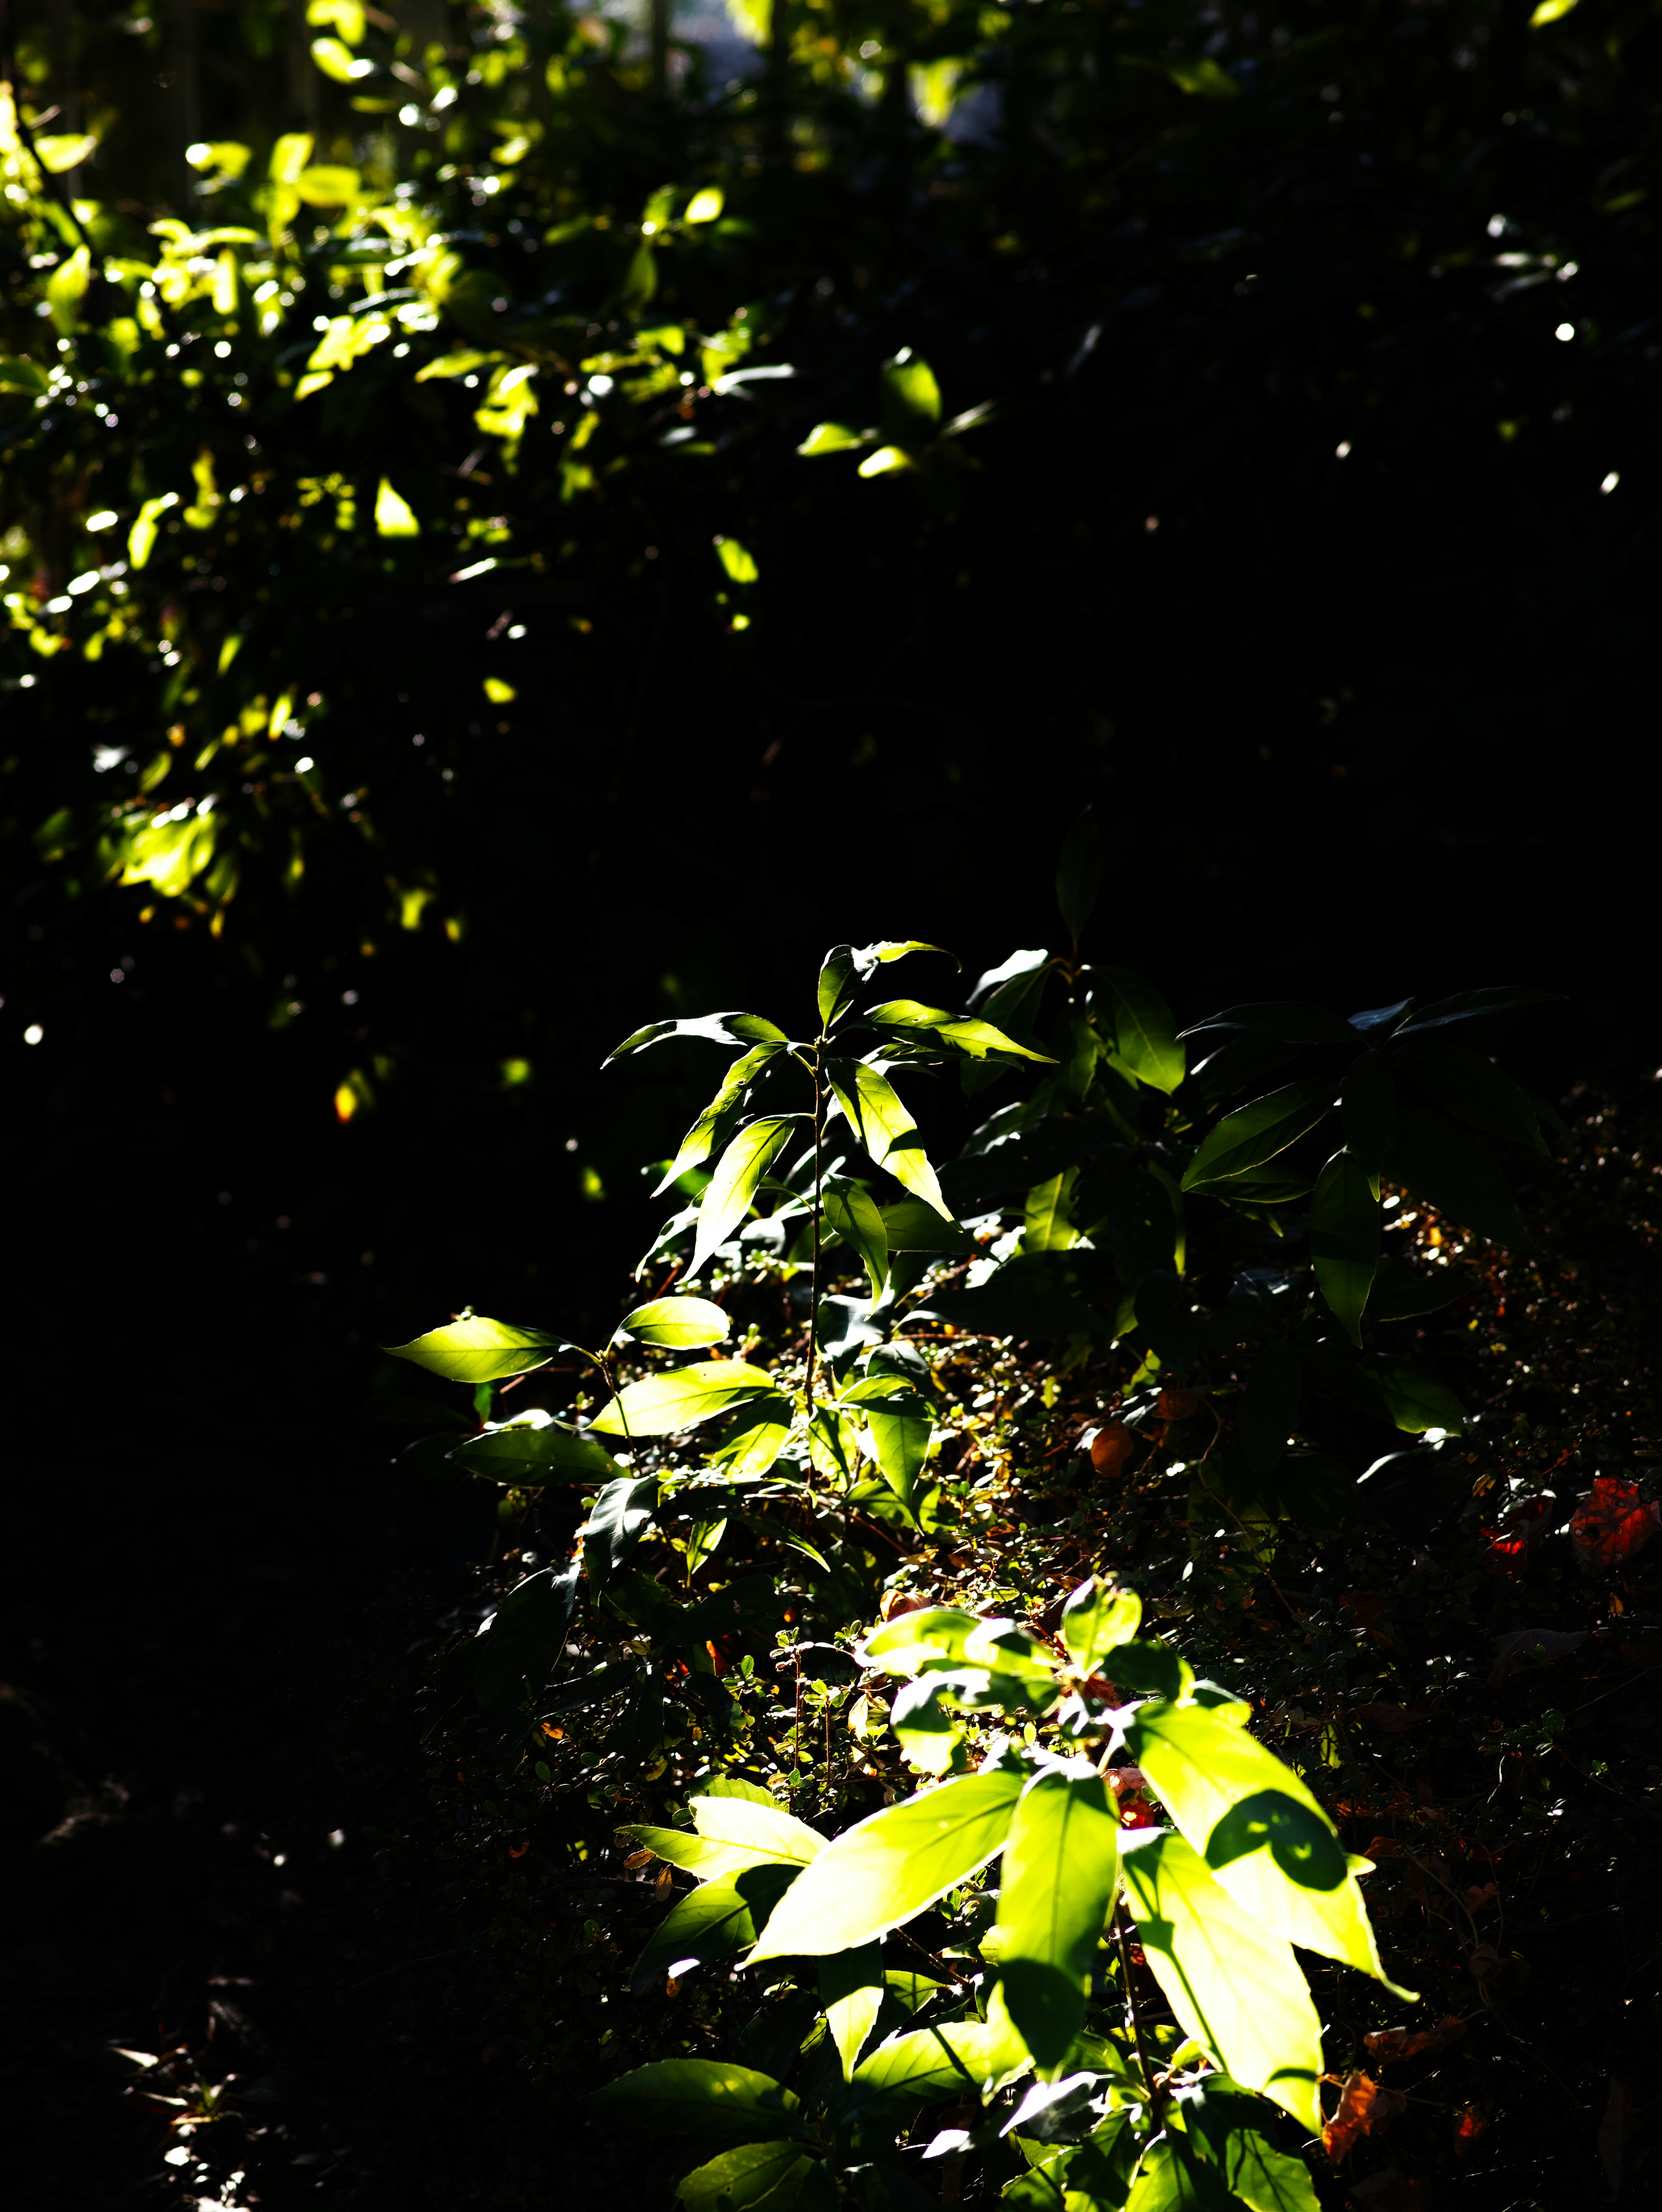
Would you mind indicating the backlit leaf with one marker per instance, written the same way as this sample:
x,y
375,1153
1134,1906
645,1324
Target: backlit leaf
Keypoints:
x,y
1234,1985
678,1323
479,1351
695,1146
727,1196
758,2176
1145,1034
660,1404
716,1029
717,1920
852,1988
1056,1884
852,1213
765,1829
885,1129
1098,1620
881,1873
1265,1838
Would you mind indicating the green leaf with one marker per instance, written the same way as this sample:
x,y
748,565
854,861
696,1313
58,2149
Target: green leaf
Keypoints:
x,y
1205,78
839,972
937,1632
1047,1216
1170,2178
1221,2122
852,1213
702,2098
881,1873
923,1727
756,1438
475,1349
1145,1034
1252,1134
533,1448
1344,1239
765,1828
1454,1170
727,1196
660,1405
969,2057
833,438
695,1146
678,1323
1234,1984
737,560
524,1639
970,1035
760,2176
885,1129
910,390
1402,1291
714,1923
852,1988
703,1856
1270,1406
1415,1403
902,1428
1266,1840
620,1519
1061,1863
911,1225
1368,1106
1476,1006
1096,1620
1474,1088
1285,1021
1079,874
716,1028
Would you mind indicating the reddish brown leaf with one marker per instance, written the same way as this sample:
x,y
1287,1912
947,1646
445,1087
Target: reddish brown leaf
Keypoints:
x,y
1612,1523
1392,2043
1470,2122
1112,1446
1364,2109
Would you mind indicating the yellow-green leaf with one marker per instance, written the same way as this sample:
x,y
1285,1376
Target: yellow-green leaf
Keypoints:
x,y
475,1350
1057,1881
661,1404
678,1324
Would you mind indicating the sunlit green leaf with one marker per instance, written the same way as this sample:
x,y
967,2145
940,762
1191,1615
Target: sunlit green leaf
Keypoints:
x,y
765,1829
758,2176
852,1988
885,1129
1096,1620
1145,1035
727,1196
716,1029
1265,1838
695,1146
475,1350
661,1404
852,1213
678,1324
1056,1884
1233,1984
715,1922
881,1873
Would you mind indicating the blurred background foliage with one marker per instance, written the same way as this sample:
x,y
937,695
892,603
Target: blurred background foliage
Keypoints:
x,y
495,499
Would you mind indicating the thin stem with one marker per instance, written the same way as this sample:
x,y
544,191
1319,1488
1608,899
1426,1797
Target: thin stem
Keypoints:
x,y
1131,2012
813,1280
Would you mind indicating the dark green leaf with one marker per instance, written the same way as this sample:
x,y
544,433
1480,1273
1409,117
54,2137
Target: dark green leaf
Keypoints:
x,y
1079,874
717,1920
1170,2178
1255,1133
909,1225
1476,1006
704,2099
534,1448
1402,1291
620,1516
1288,1021
1344,1239
1452,1169
1368,1106
526,1634
1474,1088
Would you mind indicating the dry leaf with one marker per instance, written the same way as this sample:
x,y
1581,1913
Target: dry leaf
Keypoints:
x,y
1391,2043
1364,2109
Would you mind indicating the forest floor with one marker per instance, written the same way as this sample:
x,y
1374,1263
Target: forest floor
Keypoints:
x,y
250,1959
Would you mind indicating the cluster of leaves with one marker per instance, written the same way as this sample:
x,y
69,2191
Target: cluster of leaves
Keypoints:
x,y
445,423
1121,1210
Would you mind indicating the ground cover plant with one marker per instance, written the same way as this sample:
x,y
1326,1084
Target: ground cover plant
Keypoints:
x,y
1092,1484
